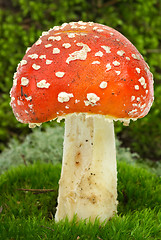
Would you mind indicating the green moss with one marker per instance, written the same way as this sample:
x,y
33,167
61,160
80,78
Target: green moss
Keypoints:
x,y
25,204
138,189
43,146
24,215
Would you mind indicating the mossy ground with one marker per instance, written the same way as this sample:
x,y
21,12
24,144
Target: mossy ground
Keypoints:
x,y
25,215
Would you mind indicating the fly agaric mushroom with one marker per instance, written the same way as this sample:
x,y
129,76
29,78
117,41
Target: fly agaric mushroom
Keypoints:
x,y
91,75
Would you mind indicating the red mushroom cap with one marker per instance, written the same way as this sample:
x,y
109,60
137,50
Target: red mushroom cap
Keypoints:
x,y
81,67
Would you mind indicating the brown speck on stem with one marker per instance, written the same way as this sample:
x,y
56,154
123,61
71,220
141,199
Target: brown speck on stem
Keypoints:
x,y
92,199
93,174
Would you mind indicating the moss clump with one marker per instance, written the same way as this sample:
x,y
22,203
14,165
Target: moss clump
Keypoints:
x,y
43,146
24,215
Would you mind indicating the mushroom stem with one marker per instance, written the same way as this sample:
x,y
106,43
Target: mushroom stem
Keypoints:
x,y
88,183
